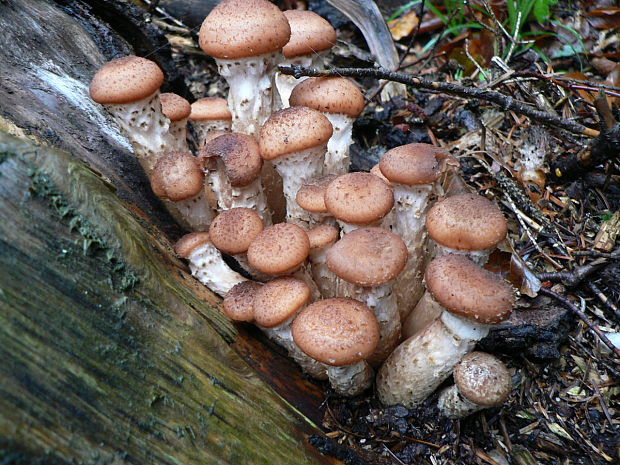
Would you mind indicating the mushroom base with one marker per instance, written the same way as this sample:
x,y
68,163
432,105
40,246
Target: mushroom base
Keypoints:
x,y
453,405
350,380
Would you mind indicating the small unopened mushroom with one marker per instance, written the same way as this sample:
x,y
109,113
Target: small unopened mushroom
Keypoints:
x,y
311,37
481,381
177,110
275,306
238,304
232,164
179,181
246,38
232,232
206,263
311,197
473,300
340,333
368,260
342,102
129,89
359,199
322,237
294,140
412,171
282,249
209,114
466,224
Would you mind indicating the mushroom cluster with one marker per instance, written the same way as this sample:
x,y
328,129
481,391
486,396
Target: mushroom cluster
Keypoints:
x,y
336,282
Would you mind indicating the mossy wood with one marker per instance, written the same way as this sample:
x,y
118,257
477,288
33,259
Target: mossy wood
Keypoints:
x,y
110,352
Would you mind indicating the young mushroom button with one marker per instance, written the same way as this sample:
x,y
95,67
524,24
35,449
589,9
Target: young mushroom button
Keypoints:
x,y
238,304
177,110
340,333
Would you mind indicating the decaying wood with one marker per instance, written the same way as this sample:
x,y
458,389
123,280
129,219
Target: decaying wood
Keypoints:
x,y
110,352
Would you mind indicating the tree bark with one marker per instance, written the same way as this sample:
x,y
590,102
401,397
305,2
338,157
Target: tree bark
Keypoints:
x,y
110,352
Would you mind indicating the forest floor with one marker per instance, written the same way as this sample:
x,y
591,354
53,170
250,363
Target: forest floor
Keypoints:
x,y
559,191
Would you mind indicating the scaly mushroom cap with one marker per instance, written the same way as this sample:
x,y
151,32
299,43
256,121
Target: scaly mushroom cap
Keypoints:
x,y
336,331
126,80
414,164
244,28
368,256
279,249
278,300
329,95
311,195
210,108
240,154
466,222
323,235
292,130
174,107
177,176
238,304
359,198
190,242
232,231
468,290
483,379
310,34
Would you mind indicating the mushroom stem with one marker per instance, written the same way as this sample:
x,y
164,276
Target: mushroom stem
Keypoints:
x,y
337,156
207,265
196,211
178,131
285,83
453,405
479,257
350,380
425,312
251,98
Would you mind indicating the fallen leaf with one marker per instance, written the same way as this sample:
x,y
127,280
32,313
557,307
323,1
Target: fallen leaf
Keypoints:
x,y
605,18
403,26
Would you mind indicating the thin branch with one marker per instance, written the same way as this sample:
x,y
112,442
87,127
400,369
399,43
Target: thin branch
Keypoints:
x,y
505,102
582,316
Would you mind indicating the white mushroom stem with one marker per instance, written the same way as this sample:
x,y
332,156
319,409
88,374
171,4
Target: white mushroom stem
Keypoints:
x,y
337,156
453,405
195,211
425,312
409,216
479,257
178,131
283,336
202,128
350,380
286,83
385,223
146,127
250,196
252,96
209,268
325,280
421,363
296,169
382,301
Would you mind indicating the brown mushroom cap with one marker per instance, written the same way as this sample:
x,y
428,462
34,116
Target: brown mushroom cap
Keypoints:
x,y
292,130
377,172
483,379
240,154
190,242
359,198
310,33
323,235
244,28
311,195
336,331
278,300
466,289
466,222
177,176
368,256
174,107
238,304
209,109
329,95
232,231
126,80
279,249
414,164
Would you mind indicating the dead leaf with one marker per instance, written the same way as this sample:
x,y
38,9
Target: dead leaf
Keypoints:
x,y
605,18
403,26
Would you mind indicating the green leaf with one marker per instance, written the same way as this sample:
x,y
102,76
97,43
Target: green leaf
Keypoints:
x,y
541,10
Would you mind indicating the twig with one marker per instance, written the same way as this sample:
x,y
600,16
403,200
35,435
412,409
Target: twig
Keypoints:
x,y
582,316
504,101
573,278
603,298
